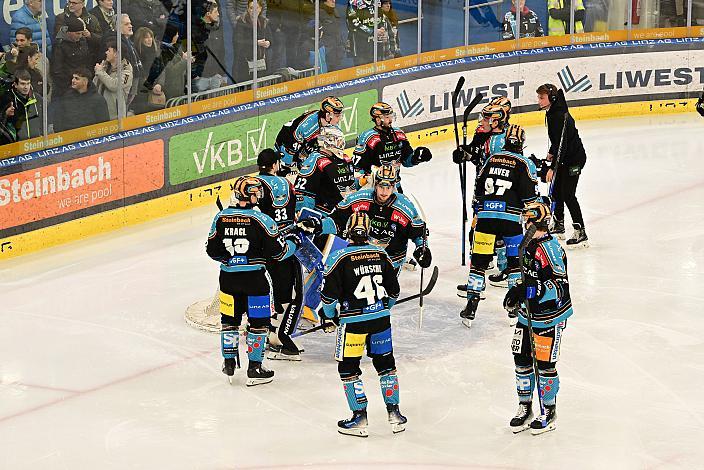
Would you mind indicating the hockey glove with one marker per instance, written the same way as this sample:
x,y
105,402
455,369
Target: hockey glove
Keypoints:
x,y
423,256
420,155
329,324
311,225
295,237
700,105
514,297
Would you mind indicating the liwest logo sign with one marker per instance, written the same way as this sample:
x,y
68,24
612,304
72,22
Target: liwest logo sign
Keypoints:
x,y
234,145
407,109
570,84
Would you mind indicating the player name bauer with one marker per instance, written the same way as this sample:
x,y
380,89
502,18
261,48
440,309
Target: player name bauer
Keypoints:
x,y
374,268
365,256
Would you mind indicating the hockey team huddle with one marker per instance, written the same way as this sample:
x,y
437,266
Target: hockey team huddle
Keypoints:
x,y
321,234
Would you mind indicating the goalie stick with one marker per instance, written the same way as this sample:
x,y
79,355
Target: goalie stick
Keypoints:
x,y
431,284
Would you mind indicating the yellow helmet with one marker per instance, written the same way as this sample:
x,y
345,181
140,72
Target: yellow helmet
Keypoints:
x,y
386,174
246,186
515,138
357,227
538,213
331,104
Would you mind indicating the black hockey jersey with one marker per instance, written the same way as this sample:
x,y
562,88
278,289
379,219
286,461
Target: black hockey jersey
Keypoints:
x,y
376,147
323,181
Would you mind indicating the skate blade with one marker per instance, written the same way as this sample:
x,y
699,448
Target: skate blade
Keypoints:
x,y
512,321
584,244
278,356
521,428
231,379
560,236
398,427
548,428
467,322
251,382
357,432
502,284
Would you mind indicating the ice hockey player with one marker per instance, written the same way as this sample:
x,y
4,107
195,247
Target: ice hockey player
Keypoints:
x,y
547,292
327,175
506,182
384,144
279,202
242,239
488,139
361,280
572,159
394,219
297,139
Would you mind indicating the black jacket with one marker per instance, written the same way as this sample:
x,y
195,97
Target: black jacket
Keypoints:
x,y
572,153
76,109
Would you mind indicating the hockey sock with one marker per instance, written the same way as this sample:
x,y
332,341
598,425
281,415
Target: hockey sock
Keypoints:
x,y
389,388
514,276
475,281
229,343
549,386
256,343
525,383
501,261
354,391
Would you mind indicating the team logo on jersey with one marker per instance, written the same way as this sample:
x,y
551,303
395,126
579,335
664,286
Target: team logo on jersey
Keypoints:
x,y
361,206
399,217
323,162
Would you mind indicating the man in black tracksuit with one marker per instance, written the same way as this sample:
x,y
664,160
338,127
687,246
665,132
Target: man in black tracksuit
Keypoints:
x,y
571,161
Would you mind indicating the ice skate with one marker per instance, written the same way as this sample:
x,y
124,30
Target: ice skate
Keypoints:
x,y
558,229
536,427
228,368
470,310
499,279
521,421
579,238
257,374
356,425
280,353
396,419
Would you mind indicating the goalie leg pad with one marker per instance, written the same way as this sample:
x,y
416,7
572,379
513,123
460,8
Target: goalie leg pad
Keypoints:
x,y
389,388
354,392
256,344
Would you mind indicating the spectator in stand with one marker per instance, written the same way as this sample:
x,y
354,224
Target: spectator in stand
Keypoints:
x,y
92,31
596,15
173,80
244,62
106,16
129,52
289,23
147,14
331,35
70,53
20,49
110,86
362,27
32,64
82,105
205,19
388,11
30,16
559,17
22,114
150,56
530,23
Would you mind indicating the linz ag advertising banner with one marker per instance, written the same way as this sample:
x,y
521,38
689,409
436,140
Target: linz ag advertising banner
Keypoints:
x,y
582,78
220,149
77,184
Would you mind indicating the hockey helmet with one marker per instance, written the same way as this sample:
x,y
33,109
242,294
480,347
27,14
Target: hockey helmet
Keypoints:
x,y
515,138
245,187
332,139
386,175
495,114
380,109
504,102
538,213
331,104
357,228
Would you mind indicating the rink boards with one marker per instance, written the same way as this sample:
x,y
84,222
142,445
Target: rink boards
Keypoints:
x,y
74,191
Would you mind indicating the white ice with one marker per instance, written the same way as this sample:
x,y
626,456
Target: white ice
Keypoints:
x,y
98,368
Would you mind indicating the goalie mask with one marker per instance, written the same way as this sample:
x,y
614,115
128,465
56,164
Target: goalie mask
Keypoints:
x,y
332,140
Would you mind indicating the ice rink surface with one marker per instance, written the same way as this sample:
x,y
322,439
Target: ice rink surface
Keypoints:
x,y
98,368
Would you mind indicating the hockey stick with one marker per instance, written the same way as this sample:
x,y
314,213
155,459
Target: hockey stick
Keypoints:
x,y
529,316
455,95
431,284
420,287
475,101
218,202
